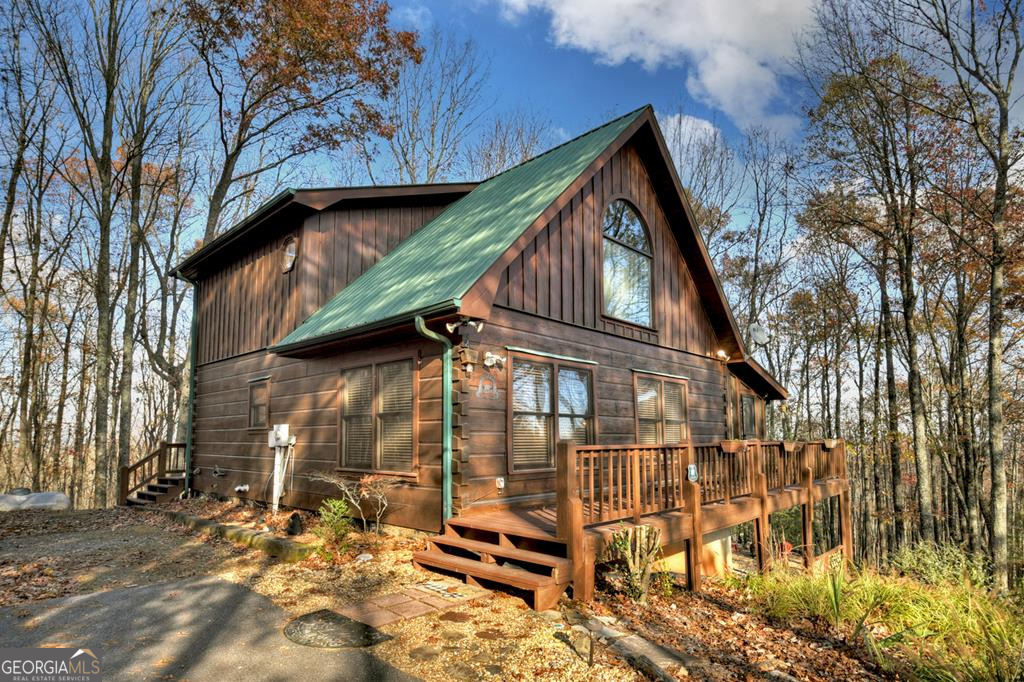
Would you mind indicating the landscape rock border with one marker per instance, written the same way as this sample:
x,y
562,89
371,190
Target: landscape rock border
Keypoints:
x,y
282,548
651,659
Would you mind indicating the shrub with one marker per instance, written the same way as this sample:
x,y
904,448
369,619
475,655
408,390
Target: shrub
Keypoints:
x,y
948,628
333,528
941,564
370,492
635,549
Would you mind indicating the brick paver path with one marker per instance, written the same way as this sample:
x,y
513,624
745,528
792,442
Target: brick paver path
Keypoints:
x,y
412,602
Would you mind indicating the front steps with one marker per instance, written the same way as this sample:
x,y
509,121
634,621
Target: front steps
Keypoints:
x,y
166,488
484,555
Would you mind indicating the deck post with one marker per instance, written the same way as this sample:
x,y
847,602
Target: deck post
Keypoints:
x,y
122,485
161,459
695,545
807,473
845,526
565,479
762,525
569,512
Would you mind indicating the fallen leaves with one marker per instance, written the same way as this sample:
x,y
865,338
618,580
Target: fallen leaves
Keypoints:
x,y
728,642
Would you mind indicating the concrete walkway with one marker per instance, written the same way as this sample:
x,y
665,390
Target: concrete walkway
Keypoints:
x,y
197,628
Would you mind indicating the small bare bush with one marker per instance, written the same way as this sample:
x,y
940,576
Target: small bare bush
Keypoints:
x,y
365,495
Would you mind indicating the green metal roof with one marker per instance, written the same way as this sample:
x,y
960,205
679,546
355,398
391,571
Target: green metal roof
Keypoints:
x,y
439,263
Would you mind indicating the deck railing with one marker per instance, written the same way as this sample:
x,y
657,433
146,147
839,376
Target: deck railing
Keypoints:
x,y
168,458
627,481
597,484
615,482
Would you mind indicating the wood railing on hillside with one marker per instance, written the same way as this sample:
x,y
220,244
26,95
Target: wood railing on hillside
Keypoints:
x,y
168,458
597,484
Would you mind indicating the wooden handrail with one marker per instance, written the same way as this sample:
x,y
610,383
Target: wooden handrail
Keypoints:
x,y
167,458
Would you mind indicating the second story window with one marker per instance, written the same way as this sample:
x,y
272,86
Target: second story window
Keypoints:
x,y
627,265
289,254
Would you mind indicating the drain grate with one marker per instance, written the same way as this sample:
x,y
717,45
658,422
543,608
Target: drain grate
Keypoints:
x,y
328,630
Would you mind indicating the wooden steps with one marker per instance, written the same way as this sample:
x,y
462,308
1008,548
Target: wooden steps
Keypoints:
x,y
165,488
517,557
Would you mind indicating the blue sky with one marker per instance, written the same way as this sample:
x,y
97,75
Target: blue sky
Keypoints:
x,y
581,62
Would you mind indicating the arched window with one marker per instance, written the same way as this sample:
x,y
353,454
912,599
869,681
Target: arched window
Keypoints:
x,y
627,265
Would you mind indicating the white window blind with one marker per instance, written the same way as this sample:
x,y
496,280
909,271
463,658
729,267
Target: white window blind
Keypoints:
x,y
377,417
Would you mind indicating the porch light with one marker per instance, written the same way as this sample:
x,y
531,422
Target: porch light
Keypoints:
x,y
722,355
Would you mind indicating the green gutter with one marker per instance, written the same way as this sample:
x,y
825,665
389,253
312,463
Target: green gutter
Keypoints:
x,y
193,345
446,416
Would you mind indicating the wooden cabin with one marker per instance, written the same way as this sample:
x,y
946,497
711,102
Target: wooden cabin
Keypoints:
x,y
531,358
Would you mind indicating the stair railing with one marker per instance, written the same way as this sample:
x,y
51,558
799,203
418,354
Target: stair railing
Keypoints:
x,y
168,458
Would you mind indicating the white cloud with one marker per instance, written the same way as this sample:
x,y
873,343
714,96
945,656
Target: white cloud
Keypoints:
x,y
679,128
416,16
735,50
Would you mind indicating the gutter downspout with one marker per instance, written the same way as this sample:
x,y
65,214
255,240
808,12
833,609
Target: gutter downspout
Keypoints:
x,y
191,390
446,416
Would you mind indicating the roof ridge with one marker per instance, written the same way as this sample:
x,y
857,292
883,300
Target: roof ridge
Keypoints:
x,y
569,141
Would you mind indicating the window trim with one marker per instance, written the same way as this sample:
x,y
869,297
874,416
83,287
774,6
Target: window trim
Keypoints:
x,y
663,378
248,420
290,239
555,362
760,418
652,327
373,363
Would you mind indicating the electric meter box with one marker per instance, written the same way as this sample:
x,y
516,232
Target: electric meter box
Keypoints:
x,y
278,436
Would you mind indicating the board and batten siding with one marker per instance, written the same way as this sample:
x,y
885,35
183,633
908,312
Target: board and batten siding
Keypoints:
x,y
304,394
250,304
550,300
558,275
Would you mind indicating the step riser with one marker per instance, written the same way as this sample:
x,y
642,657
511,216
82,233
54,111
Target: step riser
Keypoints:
x,y
149,495
548,546
495,554
496,559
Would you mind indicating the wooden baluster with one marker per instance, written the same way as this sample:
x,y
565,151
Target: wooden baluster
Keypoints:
x,y
634,461
726,492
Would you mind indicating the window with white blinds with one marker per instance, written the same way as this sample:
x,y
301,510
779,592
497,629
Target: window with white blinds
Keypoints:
x,y
377,417
661,410
549,402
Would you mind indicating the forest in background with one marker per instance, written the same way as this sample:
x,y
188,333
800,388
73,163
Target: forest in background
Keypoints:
x,y
881,253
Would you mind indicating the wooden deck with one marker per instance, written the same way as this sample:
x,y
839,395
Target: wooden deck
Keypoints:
x,y
604,488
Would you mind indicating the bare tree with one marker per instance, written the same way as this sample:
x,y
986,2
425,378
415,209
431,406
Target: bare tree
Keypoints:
x,y
509,141
981,47
88,70
427,118
710,172
291,82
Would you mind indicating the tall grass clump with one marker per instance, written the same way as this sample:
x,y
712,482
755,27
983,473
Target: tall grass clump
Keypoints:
x,y
930,612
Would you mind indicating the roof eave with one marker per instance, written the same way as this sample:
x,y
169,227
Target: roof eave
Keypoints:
x,y
773,390
186,269
311,200
302,346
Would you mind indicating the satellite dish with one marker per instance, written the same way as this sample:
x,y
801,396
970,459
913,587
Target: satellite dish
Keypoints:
x,y
758,334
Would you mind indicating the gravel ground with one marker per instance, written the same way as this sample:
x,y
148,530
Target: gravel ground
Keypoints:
x,y
57,554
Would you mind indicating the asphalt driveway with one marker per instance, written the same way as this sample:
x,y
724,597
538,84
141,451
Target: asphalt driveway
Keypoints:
x,y
196,628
